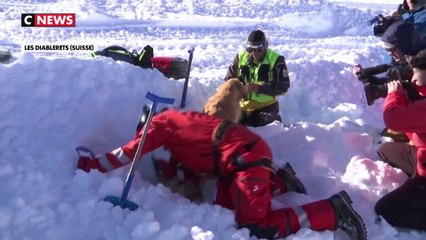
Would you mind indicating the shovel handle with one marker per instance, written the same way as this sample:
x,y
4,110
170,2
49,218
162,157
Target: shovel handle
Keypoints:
x,y
156,99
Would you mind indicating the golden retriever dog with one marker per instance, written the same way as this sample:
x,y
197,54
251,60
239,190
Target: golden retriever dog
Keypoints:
x,y
225,103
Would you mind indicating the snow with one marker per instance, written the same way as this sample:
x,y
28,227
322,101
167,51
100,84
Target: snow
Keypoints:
x,y
55,101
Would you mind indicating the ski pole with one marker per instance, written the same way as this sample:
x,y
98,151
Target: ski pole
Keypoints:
x,y
185,85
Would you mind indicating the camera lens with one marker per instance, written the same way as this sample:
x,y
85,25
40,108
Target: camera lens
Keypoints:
x,y
374,92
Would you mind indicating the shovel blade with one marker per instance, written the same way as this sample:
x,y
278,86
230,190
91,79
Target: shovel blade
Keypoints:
x,y
116,201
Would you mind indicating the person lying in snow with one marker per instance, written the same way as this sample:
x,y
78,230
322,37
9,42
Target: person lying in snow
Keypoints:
x,y
406,206
213,145
171,173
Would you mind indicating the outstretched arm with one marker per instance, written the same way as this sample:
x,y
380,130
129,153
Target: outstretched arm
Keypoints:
x,y
158,132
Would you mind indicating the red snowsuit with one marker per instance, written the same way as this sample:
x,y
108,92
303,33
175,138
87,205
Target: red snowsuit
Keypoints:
x,y
396,112
189,137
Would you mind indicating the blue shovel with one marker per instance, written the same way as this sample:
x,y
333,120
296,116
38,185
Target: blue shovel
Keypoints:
x,y
122,201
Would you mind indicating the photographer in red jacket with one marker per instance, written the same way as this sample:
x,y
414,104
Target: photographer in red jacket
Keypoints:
x,y
406,206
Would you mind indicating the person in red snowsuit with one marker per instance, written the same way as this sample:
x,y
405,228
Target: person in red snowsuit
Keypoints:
x,y
406,206
241,161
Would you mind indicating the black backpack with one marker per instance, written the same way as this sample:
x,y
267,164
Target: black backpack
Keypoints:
x,y
171,67
5,56
121,54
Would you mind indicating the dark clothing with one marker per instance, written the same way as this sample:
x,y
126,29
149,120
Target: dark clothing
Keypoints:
x,y
406,206
399,155
261,117
396,71
404,36
418,18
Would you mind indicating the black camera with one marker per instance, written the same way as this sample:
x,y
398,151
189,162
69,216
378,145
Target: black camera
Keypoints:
x,y
381,23
374,92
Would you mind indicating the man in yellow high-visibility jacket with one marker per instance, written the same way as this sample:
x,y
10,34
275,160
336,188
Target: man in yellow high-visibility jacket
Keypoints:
x,y
264,73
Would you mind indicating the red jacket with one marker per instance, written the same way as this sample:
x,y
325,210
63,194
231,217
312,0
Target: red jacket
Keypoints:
x,y
189,138
402,116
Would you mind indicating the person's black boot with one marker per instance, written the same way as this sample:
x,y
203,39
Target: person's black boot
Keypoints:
x,y
346,218
290,180
144,117
156,163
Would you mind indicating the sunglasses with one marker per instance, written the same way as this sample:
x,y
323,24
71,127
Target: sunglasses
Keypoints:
x,y
391,49
254,49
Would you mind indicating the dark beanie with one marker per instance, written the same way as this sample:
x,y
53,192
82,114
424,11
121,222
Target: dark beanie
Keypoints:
x,y
403,35
418,61
256,37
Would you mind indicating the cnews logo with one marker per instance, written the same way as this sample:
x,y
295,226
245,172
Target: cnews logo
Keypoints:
x,y
48,20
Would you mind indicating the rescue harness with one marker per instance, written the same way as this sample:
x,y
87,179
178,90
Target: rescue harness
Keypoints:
x,y
217,137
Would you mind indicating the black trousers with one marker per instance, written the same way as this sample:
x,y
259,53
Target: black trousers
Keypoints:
x,y
405,206
261,117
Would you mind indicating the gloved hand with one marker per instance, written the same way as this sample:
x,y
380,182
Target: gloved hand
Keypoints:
x,y
252,88
87,159
84,163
